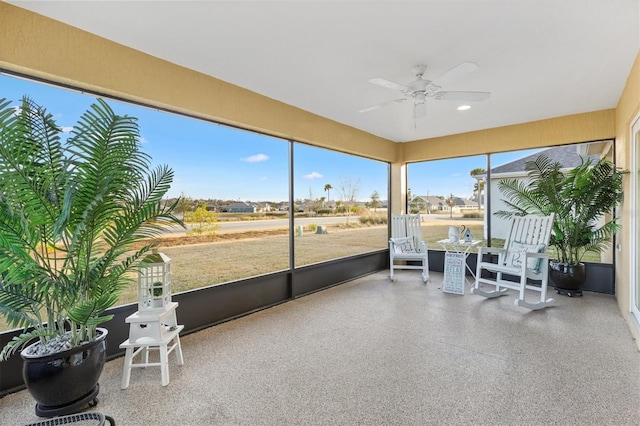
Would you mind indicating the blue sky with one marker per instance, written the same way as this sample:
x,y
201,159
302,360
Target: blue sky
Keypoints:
x,y
215,161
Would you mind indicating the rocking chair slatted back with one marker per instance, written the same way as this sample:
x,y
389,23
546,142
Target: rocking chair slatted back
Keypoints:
x,y
524,257
406,245
528,230
405,225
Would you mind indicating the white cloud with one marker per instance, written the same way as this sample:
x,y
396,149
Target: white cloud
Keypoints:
x,y
313,175
66,129
255,158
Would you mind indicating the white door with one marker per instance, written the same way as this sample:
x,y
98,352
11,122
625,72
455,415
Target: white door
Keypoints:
x,y
635,215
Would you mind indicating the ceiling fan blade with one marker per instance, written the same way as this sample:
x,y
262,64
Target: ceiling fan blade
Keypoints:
x,y
383,105
455,72
388,84
462,96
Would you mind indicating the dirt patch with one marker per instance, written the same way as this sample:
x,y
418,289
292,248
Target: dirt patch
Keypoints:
x,y
186,240
181,239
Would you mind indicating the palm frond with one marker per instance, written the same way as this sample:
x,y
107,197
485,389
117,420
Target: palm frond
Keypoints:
x,y
69,214
21,340
579,197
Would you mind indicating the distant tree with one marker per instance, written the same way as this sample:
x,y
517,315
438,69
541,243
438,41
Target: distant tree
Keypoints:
x,y
185,204
478,187
375,200
202,221
349,189
417,204
328,188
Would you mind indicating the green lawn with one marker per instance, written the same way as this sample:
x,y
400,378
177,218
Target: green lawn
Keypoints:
x,y
199,265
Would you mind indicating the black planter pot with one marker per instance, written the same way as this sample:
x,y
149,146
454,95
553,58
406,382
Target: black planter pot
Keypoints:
x,y
65,382
567,279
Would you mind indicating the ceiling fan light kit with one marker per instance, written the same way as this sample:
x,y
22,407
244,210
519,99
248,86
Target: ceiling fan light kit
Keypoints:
x,y
420,89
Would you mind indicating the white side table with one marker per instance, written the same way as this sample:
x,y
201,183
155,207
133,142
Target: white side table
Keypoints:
x,y
149,331
462,248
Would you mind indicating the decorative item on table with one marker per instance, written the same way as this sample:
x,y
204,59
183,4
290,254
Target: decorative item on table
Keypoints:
x,y
154,282
454,233
466,236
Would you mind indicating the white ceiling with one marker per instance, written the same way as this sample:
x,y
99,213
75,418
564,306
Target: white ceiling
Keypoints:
x,y
538,58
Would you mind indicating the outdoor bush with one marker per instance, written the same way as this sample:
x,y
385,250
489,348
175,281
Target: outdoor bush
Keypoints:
x,y
473,215
313,227
277,214
202,221
373,220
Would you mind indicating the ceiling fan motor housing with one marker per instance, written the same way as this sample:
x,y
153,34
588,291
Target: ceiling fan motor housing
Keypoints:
x,y
420,89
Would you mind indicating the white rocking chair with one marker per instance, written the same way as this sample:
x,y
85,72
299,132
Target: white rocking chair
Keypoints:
x,y
525,256
406,245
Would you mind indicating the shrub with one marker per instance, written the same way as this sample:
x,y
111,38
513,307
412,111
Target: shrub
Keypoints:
x,y
373,220
473,215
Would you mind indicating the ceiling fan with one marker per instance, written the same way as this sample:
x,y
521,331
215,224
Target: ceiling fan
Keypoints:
x,y
420,89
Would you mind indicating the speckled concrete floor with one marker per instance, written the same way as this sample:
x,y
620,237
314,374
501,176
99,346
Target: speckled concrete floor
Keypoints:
x,y
372,352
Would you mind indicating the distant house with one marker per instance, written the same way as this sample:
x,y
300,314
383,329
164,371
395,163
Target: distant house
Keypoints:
x,y
264,207
461,205
239,207
569,156
432,203
435,204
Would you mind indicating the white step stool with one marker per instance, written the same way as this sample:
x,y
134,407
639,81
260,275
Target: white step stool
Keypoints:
x,y
152,331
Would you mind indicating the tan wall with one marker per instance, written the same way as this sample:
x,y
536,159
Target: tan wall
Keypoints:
x,y
37,46
627,110
537,134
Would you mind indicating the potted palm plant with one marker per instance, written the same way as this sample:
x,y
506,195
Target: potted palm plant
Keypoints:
x,y
70,213
582,198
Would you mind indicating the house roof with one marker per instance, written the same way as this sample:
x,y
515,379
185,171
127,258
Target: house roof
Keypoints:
x,y
458,201
566,155
433,200
238,205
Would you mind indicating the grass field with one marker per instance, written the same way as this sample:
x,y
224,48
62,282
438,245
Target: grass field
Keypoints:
x,y
223,259
199,261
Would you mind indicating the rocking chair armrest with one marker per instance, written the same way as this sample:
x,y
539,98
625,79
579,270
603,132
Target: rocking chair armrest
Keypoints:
x,y
490,250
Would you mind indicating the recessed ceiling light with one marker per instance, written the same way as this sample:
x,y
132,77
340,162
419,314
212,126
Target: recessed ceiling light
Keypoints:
x,y
464,107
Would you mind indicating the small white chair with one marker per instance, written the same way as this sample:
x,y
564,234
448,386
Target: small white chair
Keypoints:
x,y
524,255
406,245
